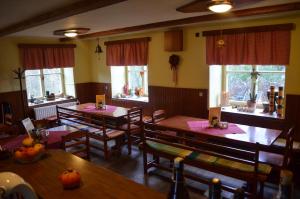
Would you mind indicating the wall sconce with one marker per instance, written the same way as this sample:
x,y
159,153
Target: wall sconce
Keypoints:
x,y
98,49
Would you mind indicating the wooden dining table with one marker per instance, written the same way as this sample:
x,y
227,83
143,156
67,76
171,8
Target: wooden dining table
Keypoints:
x,y
97,182
90,109
241,134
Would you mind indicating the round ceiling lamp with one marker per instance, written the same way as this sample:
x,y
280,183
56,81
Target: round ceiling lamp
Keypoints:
x,y
220,6
73,32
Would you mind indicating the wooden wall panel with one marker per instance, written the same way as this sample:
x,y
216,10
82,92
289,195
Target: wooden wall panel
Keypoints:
x,y
14,98
84,92
174,100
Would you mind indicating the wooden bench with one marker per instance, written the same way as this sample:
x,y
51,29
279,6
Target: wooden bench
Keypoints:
x,y
98,129
228,161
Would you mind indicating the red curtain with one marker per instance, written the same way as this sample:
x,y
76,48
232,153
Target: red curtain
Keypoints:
x,y
115,55
132,52
47,56
260,48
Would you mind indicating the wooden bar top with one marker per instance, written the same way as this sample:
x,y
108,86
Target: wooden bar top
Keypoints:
x,y
97,182
252,134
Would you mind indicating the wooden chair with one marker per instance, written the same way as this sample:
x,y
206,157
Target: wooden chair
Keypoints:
x,y
282,159
105,134
77,143
133,126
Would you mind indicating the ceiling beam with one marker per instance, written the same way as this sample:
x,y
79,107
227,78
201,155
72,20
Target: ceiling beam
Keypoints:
x,y
190,20
61,13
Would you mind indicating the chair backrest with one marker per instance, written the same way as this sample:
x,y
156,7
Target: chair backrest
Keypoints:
x,y
158,116
77,143
289,136
245,156
135,116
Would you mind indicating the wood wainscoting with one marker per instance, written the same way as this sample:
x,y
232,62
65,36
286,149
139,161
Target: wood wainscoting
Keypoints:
x,y
175,101
14,98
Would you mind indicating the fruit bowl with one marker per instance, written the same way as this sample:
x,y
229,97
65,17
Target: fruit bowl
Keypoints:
x,y
25,155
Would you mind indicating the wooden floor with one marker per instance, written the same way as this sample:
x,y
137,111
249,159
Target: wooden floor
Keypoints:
x,y
132,168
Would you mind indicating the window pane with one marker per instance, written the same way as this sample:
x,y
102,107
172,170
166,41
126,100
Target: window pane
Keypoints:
x,y
53,83
239,68
265,80
275,68
33,86
69,77
52,71
238,85
70,90
135,77
32,72
117,80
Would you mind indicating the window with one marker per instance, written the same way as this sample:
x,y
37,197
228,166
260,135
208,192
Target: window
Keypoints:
x,y
236,80
130,82
239,84
57,80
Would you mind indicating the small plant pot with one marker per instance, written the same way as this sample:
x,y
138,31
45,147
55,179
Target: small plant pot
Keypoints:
x,y
251,104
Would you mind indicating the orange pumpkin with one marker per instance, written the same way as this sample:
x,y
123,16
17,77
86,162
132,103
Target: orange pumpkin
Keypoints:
x,y
70,178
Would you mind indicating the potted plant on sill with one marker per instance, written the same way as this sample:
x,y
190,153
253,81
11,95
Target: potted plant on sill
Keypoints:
x,y
251,103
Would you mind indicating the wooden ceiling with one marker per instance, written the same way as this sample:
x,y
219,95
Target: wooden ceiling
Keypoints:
x,y
109,17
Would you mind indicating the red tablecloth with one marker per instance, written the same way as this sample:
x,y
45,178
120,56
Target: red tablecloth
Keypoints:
x,y
53,141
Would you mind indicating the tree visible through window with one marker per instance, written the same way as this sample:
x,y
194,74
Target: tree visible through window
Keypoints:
x,y
238,80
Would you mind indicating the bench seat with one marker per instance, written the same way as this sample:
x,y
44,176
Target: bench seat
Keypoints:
x,y
209,159
174,151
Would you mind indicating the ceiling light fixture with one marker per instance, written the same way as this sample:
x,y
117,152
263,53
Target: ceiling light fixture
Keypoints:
x,y
71,32
220,6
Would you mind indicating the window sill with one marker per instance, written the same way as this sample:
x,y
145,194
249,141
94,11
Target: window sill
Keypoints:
x,y
50,102
258,112
134,98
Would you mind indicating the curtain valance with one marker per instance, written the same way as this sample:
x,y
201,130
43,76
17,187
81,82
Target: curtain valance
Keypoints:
x,y
38,56
130,52
253,48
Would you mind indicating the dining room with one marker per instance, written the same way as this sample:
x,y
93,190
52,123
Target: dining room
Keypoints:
x,y
149,99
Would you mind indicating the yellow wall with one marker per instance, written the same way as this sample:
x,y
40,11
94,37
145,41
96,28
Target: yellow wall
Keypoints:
x,y
193,72
9,60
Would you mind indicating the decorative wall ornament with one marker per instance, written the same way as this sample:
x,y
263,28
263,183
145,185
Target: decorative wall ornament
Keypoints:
x,y
174,61
221,42
98,49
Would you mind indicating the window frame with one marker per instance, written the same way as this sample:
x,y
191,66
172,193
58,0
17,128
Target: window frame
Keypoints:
x,y
42,78
126,77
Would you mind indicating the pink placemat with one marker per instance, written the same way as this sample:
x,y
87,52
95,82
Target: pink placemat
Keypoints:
x,y
203,127
53,141
92,108
14,143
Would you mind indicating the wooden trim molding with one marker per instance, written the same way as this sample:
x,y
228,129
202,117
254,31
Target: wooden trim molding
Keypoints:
x,y
288,26
190,20
47,45
60,13
127,40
